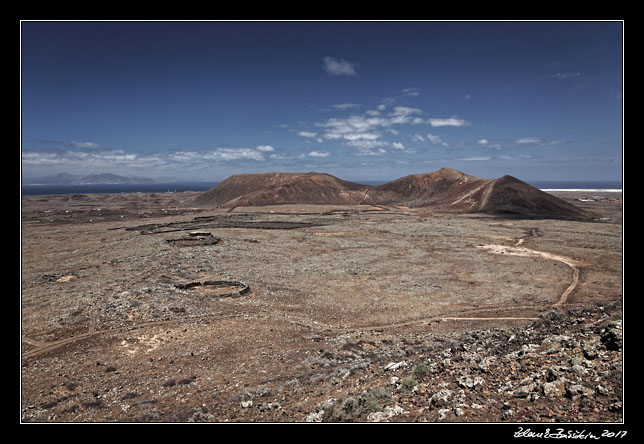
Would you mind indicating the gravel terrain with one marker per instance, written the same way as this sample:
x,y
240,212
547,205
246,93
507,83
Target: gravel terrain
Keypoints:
x,y
140,308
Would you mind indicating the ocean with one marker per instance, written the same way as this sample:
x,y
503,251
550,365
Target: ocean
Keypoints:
x,y
177,187
577,185
118,188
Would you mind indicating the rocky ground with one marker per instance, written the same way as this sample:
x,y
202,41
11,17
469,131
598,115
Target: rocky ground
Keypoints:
x,y
139,308
563,368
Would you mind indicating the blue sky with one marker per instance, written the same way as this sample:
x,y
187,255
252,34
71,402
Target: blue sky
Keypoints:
x,y
176,101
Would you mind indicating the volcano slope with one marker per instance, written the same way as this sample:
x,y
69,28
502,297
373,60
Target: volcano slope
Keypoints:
x,y
446,190
282,188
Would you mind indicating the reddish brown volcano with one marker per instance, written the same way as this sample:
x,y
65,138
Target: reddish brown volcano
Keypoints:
x,y
445,189
282,188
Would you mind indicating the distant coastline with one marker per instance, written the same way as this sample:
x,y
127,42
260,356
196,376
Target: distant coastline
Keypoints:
x,y
578,185
36,189
160,187
589,190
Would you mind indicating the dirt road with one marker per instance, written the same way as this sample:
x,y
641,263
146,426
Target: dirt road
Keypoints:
x,y
526,252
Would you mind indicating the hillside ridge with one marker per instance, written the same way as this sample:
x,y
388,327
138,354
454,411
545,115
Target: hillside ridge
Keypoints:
x,y
445,189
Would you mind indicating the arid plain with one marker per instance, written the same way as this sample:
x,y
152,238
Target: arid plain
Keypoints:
x,y
141,307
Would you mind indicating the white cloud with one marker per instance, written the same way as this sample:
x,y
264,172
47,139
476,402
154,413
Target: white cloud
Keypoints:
x,y
413,92
541,142
406,92
279,156
405,111
184,156
436,140
515,157
319,154
352,127
94,158
366,131
366,144
375,147
482,141
475,159
339,67
402,115
525,140
119,160
371,152
368,126
72,161
344,106
227,154
89,145
566,75
40,159
398,146
361,136
453,121
556,142
75,144
307,134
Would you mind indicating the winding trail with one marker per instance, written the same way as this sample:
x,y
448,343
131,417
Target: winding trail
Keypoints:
x,y
45,347
517,250
526,252
465,196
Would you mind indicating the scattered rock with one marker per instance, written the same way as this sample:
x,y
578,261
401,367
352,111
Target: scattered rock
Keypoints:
x,y
525,390
611,336
470,383
440,398
386,414
590,350
577,390
554,389
554,372
186,381
508,414
129,395
603,391
269,406
566,364
395,365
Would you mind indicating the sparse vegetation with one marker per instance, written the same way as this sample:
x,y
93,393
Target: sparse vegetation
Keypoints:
x,y
356,408
408,384
420,370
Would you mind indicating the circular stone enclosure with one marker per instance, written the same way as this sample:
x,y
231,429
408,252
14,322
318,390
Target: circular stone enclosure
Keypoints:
x,y
217,289
195,239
